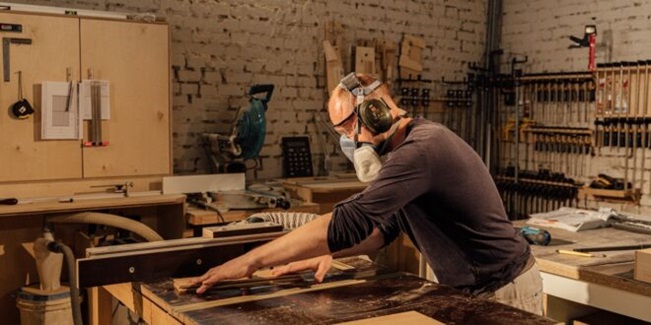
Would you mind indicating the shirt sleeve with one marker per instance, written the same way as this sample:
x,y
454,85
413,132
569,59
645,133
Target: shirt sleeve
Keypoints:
x,y
403,177
390,230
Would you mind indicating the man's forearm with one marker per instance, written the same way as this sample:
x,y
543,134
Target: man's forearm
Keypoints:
x,y
307,241
369,245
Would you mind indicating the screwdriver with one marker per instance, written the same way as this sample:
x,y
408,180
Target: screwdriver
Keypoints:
x,y
9,201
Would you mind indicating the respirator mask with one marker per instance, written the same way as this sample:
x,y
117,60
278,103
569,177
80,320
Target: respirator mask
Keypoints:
x,y
365,156
366,160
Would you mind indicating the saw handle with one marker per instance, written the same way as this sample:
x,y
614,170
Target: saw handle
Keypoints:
x,y
265,88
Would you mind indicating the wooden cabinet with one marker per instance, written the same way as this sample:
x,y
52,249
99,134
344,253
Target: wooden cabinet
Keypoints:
x,y
54,49
133,56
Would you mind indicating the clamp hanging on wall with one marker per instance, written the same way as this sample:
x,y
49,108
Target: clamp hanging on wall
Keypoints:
x,y
589,40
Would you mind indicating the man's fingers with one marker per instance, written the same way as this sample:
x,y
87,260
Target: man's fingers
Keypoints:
x,y
197,280
202,288
321,272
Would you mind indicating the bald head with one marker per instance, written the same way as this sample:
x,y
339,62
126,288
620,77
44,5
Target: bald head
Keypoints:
x,y
342,102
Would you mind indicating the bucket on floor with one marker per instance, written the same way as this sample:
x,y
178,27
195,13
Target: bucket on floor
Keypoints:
x,y
40,307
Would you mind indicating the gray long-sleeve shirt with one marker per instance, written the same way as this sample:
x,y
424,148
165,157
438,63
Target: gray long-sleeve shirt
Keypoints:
x,y
436,189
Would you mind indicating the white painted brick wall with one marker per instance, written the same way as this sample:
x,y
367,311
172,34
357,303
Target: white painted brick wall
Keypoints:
x,y
540,30
219,48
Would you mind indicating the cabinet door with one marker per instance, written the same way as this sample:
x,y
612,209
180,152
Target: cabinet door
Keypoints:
x,y
24,156
134,58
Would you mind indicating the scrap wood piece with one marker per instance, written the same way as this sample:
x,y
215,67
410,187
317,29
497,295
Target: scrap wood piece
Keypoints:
x,y
365,60
386,55
261,277
276,294
334,65
410,56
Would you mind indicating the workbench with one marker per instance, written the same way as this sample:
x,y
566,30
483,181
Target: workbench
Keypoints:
x,y
365,292
605,283
23,223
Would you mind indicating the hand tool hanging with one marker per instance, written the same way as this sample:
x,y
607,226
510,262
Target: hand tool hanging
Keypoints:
x,y
6,60
21,109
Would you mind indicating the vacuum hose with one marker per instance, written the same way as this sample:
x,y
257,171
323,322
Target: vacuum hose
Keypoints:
x,y
112,220
97,218
75,300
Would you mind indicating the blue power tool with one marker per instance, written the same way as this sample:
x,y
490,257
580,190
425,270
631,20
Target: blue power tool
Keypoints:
x,y
536,236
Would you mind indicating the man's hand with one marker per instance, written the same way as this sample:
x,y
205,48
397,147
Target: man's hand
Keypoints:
x,y
320,265
233,269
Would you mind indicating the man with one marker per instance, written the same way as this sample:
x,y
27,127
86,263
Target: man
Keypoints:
x,y
432,186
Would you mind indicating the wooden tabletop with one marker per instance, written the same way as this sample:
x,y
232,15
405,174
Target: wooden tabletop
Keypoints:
x,y
347,295
614,270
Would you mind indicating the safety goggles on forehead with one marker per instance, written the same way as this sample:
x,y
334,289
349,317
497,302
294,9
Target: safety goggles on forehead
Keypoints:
x,y
352,84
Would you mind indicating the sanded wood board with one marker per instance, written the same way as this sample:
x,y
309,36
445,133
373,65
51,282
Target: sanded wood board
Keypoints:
x,y
407,318
282,293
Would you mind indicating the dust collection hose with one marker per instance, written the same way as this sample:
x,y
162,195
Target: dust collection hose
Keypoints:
x,y
75,300
96,218
111,220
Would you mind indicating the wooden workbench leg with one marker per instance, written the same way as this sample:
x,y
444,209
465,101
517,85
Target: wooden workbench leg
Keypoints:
x,y
100,303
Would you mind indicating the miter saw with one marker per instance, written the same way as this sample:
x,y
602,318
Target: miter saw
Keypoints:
x,y
228,153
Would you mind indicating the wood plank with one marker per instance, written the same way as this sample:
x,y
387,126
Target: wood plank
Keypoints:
x,y
404,318
617,275
282,293
614,271
85,205
100,306
365,60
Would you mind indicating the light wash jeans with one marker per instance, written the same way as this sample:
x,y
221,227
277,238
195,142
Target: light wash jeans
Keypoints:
x,y
524,292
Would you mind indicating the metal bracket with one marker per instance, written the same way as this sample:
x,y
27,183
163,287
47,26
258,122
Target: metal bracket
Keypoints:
x,y
6,42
